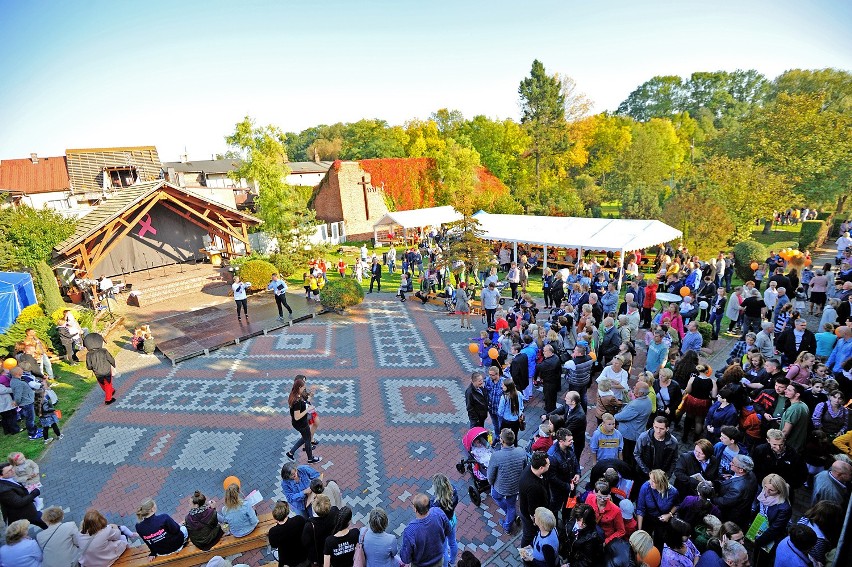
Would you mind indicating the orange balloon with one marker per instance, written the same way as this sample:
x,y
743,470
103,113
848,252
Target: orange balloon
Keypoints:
x,y
754,265
493,353
685,291
837,332
9,363
473,348
593,355
808,261
229,481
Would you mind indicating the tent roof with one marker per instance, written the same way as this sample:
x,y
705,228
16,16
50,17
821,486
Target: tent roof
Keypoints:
x,y
419,217
576,232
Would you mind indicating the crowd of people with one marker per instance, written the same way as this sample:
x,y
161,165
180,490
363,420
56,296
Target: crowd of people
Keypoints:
x,y
690,465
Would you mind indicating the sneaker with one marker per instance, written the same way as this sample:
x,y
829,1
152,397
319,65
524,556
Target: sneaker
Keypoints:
x,y
48,441
290,456
315,460
60,436
314,443
35,437
281,317
108,402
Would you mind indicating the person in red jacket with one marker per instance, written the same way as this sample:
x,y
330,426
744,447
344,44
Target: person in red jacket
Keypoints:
x,y
648,304
608,514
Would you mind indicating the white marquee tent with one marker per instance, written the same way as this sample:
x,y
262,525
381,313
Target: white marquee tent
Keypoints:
x,y
415,219
615,235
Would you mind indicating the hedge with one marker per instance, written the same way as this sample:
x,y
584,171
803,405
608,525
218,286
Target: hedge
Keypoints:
x,y
258,273
813,234
706,331
745,253
338,294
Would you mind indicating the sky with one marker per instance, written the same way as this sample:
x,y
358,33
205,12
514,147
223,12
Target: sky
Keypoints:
x,y
180,74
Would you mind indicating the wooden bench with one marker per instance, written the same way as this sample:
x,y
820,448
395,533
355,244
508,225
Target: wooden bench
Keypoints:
x,y
191,556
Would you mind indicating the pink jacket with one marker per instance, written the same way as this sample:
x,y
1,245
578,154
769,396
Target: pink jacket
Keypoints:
x,y
105,548
676,323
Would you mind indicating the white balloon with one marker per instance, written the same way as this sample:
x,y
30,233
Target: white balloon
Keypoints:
x,y
703,305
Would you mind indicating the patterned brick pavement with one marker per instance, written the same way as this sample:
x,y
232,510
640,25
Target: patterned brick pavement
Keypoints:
x,y
389,380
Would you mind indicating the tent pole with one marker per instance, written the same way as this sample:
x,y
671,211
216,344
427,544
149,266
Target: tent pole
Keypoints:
x,y
620,273
579,261
514,251
544,260
375,236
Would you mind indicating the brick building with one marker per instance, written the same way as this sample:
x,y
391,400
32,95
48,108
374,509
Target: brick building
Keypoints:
x,y
346,195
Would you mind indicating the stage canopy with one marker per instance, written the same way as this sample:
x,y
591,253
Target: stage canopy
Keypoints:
x,y
16,292
616,235
417,218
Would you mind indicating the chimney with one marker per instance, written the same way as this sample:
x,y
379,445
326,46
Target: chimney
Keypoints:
x,y
34,158
184,157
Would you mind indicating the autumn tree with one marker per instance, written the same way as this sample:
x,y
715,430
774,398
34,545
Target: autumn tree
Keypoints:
x,y
702,218
467,244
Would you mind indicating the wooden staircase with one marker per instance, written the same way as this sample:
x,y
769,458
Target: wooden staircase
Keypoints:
x,y
162,284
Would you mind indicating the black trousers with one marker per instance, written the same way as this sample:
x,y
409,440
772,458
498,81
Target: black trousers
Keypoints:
x,y
244,304
378,280
550,393
281,301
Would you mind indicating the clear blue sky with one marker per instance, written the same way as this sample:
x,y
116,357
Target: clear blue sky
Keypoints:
x,y
181,73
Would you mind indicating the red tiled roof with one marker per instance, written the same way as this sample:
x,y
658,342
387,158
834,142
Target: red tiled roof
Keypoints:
x,y
49,174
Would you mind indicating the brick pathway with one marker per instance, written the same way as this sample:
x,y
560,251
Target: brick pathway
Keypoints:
x,y
390,382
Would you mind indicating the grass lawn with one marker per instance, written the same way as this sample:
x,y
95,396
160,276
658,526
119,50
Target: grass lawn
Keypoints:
x,y
779,233
72,385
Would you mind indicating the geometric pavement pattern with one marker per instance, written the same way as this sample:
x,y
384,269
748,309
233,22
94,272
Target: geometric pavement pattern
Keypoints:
x,y
389,381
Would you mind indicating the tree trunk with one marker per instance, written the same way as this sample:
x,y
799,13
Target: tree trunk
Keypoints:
x,y
767,226
841,202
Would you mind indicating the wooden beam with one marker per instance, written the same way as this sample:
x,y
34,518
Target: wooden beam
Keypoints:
x,y
84,255
144,211
194,221
183,205
246,238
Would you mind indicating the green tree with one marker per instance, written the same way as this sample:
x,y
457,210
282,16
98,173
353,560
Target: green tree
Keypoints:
x,y
834,84
373,139
543,116
467,245
799,137
501,146
456,167
282,208
447,121
27,236
660,97
611,137
732,182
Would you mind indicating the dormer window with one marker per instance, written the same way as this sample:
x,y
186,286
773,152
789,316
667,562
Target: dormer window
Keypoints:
x,y
120,177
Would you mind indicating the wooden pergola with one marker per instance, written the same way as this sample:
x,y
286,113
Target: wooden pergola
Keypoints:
x,y
99,231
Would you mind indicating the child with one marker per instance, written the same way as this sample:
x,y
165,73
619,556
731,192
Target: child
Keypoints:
x,y
607,402
627,510
306,282
27,474
403,285
800,302
48,418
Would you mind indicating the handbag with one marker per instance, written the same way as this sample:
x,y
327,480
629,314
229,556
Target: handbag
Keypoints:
x,y
522,422
359,559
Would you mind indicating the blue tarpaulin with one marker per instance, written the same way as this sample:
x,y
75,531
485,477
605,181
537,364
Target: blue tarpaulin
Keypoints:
x,y
16,292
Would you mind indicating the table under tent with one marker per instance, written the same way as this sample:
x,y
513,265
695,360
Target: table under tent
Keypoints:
x,y
406,227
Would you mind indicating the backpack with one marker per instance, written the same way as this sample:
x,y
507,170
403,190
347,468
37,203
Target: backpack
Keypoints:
x,y
563,353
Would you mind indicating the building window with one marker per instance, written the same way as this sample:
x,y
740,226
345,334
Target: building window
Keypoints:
x,y
121,176
58,204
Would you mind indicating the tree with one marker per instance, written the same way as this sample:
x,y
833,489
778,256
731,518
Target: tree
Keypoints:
x,y
834,84
457,172
660,97
577,104
799,137
282,208
702,219
448,121
27,236
611,137
373,139
744,189
467,245
543,115
500,144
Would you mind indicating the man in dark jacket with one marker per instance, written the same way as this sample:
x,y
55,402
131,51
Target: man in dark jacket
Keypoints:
x,y
793,341
655,449
564,472
549,371
579,371
736,494
575,420
775,456
534,493
519,368
476,400
16,502
375,275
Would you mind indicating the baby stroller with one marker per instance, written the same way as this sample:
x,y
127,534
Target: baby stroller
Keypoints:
x,y
477,441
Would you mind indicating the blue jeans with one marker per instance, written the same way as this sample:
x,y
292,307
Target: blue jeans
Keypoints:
x,y
495,421
509,504
716,322
451,547
28,413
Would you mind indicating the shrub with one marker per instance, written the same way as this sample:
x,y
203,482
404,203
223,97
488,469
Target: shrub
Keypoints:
x,y
45,282
284,263
338,294
44,328
85,317
813,234
239,261
27,314
257,272
706,330
745,253
824,215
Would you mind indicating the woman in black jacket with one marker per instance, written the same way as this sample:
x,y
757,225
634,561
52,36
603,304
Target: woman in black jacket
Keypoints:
x,y
700,460
583,538
202,523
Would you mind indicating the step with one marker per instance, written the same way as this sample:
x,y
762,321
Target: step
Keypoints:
x,y
156,294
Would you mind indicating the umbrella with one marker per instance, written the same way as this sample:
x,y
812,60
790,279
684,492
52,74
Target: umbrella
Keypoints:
x,y
93,341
